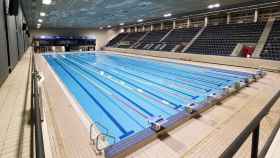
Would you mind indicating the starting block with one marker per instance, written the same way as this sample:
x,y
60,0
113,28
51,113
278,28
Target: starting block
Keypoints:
x,y
156,123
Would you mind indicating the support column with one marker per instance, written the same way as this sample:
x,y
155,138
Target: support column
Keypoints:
x,y
135,29
143,28
152,27
174,24
205,21
161,26
228,18
188,23
256,15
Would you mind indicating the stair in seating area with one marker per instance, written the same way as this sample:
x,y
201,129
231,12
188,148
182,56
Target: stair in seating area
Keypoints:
x,y
166,35
193,40
263,39
271,50
139,40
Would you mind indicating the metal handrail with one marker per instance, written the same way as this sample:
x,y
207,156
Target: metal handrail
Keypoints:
x,y
38,144
94,125
101,136
253,127
95,140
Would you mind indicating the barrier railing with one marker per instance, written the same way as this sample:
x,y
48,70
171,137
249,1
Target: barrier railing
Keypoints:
x,y
38,144
254,128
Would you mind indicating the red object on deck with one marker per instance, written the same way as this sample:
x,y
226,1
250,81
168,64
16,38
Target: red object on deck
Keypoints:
x,y
248,51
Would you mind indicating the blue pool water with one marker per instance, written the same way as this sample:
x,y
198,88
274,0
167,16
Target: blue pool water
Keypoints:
x,y
123,93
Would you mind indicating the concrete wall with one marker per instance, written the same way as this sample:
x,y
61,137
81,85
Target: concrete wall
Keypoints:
x,y
102,36
232,61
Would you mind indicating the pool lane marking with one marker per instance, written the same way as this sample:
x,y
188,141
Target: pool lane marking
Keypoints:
x,y
105,91
131,89
134,91
194,74
168,87
188,66
209,71
159,85
113,89
191,77
141,92
205,70
147,82
175,74
139,89
232,75
100,69
181,82
184,66
122,129
110,94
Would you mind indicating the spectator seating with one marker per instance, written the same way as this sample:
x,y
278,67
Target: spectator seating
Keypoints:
x,y
272,48
152,38
214,40
222,39
179,36
130,39
116,40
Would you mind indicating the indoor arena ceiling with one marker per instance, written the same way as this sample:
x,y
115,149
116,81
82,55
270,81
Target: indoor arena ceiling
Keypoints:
x,y
100,13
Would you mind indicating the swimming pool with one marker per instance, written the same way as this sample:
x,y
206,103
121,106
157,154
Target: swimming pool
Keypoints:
x,y
124,93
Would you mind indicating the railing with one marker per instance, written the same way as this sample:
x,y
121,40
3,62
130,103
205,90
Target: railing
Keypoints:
x,y
100,137
254,128
38,144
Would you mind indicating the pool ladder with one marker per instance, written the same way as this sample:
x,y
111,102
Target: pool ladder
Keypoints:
x,y
100,139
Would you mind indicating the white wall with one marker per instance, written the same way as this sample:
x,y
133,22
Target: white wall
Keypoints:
x,y
102,36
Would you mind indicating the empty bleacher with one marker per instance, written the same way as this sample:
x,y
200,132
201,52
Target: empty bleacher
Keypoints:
x,y
152,38
117,39
222,39
272,48
179,36
214,40
130,39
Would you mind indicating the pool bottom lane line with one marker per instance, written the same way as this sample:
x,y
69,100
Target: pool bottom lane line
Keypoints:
x,y
120,127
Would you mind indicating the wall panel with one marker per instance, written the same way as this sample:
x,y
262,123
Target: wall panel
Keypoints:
x,y
12,39
4,70
19,23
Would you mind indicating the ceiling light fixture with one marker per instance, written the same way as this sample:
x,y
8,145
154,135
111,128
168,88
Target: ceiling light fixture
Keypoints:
x,y
212,6
109,26
217,5
38,26
140,20
167,15
122,24
42,14
47,2
40,20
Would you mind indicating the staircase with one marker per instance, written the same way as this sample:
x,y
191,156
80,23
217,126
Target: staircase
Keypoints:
x,y
164,37
262,41
193,40
140,39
